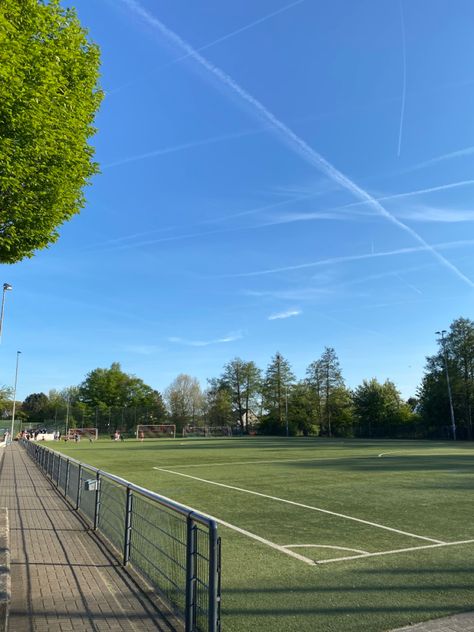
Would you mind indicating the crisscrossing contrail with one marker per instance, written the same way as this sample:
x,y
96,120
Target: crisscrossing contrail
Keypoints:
x,y
291,139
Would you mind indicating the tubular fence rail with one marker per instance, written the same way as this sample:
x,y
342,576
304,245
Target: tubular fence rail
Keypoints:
x,y
176,549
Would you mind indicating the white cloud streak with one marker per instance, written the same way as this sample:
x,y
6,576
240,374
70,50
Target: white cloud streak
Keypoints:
x,y
437,214
181,147
205,343
460,153
290,138
282,315
345,259
300,217
219,40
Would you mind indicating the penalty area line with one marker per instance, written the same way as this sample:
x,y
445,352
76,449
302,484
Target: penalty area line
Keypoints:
x,y
394,551
296,504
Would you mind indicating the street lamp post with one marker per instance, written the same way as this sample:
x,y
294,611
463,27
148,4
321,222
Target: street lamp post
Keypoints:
x,y
14,393
6,288
445,357
67,416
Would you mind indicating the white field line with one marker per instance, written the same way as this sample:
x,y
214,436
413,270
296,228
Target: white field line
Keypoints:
x,y
322,546
272,545
392,552
292,502
249,534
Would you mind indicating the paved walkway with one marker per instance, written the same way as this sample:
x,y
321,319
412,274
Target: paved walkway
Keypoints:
x,y
457,623
63,578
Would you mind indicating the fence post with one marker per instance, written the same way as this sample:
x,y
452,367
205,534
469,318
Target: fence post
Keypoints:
x,y
78,497
97,501
190,606
214,579
66,484
58,467
128,526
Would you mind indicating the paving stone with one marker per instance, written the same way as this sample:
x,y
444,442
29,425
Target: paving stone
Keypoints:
x,y
63,579
458,623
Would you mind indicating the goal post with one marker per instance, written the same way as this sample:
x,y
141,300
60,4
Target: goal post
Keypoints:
x,y
84,433
156,431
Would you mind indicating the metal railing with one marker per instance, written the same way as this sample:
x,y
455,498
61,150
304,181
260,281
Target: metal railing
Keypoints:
x,y
175,548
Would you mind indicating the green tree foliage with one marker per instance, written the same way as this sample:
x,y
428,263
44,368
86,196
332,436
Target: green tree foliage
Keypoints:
x,y
48,99
379,409
36,407
185,401
243,380
275,391
104,388
218,404
456,353
6,394
332,400
302,413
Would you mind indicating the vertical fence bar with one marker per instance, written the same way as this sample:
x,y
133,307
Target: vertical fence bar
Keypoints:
x,y
97,501
199,573
191,548
128,526
213,579
66,484
79,475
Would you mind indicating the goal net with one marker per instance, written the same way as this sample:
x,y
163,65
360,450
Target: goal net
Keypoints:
x,y
83,433
219,431
155,431
207,431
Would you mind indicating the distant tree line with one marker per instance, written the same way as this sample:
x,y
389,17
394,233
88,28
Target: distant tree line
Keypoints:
x,y
273,401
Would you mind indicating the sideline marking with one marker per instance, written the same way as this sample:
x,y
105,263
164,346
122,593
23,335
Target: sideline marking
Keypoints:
x,y
322,546
412,548
249,534
292,502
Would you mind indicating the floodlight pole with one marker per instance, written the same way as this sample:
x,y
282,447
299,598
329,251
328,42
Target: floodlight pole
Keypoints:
x,y
445,357
6,288
286,410
14,394
67,415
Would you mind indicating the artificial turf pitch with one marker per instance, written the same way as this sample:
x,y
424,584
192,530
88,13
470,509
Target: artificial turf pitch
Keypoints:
x,y
400,512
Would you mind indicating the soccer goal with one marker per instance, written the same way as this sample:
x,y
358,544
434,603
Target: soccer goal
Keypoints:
x,y
156,431
207,431
219,431
195,431
83,433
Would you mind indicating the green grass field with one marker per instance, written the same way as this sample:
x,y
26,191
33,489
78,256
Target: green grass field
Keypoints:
x,y
390,524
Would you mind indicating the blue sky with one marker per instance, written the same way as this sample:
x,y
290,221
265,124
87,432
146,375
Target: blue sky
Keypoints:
x,y
275,176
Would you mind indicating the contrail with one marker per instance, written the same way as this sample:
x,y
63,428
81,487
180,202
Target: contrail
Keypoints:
x,y
404,80
291,139
219,40
287,219
333,260
183,146
467,151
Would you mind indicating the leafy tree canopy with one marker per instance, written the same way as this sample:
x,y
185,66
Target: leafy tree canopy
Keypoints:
x,y
35,406
112,387
48,99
